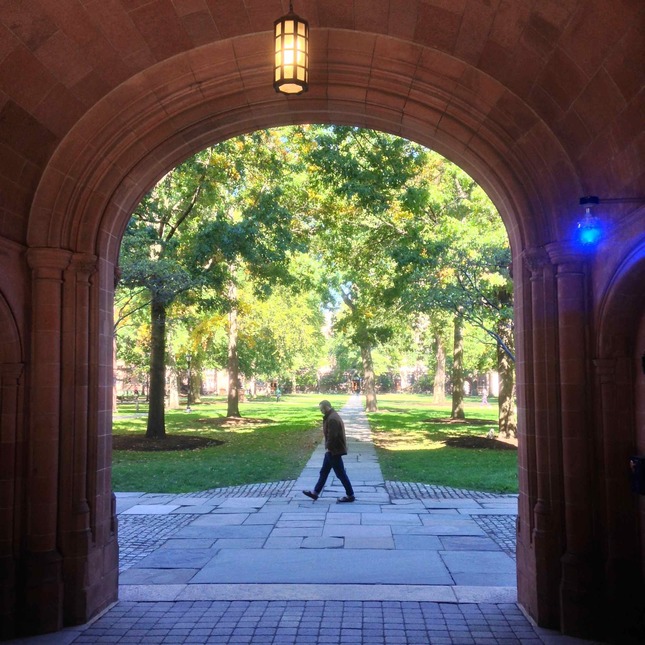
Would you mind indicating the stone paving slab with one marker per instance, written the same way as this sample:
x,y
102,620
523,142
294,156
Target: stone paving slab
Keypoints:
x,y
177,558
325,566
151,509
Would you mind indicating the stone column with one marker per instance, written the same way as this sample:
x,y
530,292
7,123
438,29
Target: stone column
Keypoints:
x,y
579,583
545,452
41,574
79,424
11,478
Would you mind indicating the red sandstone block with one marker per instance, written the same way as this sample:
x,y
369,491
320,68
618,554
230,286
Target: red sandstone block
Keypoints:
x,y
402,21
336,14
372,15
600,102
397,56
562,79
112,19
473,31
59,111
63,58
24,78
230,18
595,29
91,88
437,27
200,27
157,22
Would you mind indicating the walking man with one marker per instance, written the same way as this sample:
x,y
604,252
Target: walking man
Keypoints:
x,y
335,448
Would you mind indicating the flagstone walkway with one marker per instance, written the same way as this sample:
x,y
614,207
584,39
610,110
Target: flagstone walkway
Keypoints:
x,y
263,564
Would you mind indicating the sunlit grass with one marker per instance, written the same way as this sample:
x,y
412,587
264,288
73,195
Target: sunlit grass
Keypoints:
x,y
416,442
272,450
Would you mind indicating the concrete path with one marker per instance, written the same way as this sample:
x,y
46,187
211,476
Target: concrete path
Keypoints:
x,y
264,564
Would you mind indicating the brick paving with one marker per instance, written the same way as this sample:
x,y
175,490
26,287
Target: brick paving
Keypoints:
x,y
301,622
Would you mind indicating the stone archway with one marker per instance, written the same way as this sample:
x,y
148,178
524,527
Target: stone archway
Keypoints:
x,y
100,172
526,99
620,382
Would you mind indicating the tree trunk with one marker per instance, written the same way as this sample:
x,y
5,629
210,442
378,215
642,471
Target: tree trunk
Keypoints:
x,y
458,370
439,387
233,409
506,369
368,378
156,421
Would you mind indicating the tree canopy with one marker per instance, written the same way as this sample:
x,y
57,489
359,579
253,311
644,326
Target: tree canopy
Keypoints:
x,y
252,243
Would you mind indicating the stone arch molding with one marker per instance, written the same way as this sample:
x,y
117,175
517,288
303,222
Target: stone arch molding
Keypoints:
x,y
11,351
623,305
618,384
158,118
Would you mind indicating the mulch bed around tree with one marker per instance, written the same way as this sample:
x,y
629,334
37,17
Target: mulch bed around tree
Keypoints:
x,y
140,443
481,443
474,442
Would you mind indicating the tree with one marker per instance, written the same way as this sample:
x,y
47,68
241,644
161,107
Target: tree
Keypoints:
x,y
457,261
368,195
154,256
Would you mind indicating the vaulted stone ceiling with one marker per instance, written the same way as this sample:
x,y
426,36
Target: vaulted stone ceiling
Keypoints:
x,y
553,83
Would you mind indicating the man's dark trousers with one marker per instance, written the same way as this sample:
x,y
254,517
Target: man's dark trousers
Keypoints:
x,y
336,462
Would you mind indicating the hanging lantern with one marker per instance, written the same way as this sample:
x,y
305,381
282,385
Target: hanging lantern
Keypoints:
x,y
291,68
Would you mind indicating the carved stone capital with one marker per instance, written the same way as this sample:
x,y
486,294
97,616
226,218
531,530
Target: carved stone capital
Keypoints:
x,y
536,258
567,258
48,263
84,265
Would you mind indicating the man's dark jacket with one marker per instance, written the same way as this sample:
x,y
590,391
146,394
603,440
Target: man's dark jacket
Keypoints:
x,y
334,431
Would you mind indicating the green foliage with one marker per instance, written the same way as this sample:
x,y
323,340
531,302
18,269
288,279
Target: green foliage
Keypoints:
x,y
280,224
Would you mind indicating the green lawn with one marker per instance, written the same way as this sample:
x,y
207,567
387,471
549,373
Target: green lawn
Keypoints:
x,y
273,450
416,443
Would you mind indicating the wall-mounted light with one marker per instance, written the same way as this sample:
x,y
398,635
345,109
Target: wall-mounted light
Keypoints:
x,y
291,66
591,229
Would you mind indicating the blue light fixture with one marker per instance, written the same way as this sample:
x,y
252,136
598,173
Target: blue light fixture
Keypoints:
x,y
589,231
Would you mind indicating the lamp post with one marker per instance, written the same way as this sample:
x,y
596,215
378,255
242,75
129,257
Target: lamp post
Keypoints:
x,y
189,358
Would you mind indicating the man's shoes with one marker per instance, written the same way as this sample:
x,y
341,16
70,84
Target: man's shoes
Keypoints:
x,y
311,494
345,500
